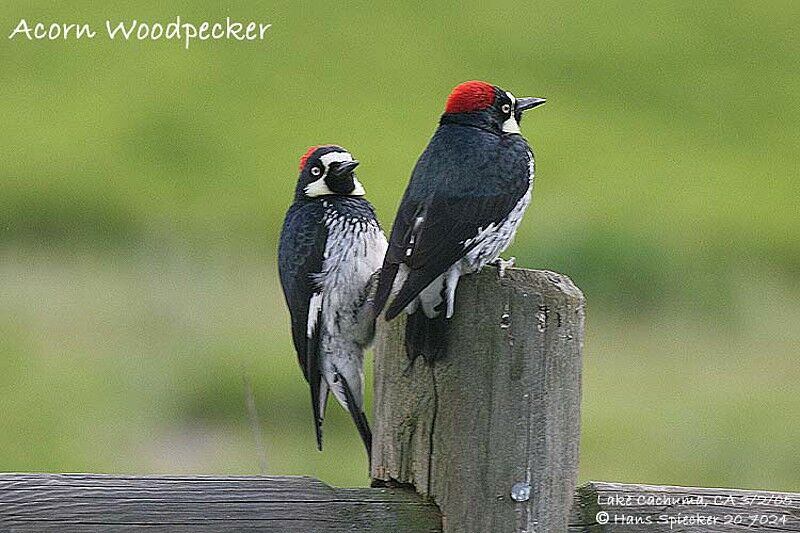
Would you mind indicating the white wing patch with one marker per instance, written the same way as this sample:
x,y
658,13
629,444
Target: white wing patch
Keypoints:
x,y
413,238
314,305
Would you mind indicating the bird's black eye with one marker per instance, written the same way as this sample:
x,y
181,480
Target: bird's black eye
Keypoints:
x,y
506,108
316,171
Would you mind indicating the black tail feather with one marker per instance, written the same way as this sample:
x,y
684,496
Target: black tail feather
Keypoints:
x,y
385,282
359,418
319,414
315,381
426,336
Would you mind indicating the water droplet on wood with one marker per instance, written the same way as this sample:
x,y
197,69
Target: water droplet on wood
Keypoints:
x,y
521,491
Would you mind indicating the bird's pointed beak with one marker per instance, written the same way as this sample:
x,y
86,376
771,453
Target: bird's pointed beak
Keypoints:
x,y
523,104
344,168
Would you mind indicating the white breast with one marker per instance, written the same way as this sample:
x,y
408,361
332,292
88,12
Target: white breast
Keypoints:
x,y
354,251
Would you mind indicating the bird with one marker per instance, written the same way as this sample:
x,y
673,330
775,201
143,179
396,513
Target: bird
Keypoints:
x,y
330,251
463,204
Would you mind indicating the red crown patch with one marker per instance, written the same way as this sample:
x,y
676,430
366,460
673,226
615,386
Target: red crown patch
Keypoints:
x,y
470,96
310,151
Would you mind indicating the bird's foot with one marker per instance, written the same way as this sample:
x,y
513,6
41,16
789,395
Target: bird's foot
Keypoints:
x,y
503,264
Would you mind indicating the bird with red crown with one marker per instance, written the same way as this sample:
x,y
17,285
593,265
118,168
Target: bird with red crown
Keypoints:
x,y
461,209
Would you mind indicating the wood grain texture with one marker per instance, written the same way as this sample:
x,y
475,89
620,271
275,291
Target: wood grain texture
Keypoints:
x,y
503,407
669,509
94,503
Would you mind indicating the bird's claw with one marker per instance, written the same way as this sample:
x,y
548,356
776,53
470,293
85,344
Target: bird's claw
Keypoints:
x,y
503,264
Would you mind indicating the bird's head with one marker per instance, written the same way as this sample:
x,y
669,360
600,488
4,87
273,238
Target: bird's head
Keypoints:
x,y
328,170
481,104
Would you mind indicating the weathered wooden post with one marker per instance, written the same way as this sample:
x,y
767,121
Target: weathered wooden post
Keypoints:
x,y
491,431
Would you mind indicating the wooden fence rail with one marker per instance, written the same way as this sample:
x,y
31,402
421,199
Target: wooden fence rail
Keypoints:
x,y
99,503
484,441
67,503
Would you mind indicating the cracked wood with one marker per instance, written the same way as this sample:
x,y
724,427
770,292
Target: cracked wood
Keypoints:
x,y
502,407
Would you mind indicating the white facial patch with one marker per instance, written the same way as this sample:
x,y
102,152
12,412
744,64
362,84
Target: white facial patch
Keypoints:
x,y
510,125
320,188
358,190
335,157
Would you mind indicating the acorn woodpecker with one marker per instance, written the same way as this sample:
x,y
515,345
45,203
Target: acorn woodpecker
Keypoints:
x,y
331,248
463,204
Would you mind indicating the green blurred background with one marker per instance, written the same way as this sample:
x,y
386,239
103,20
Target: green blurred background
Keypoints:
x,y
142,188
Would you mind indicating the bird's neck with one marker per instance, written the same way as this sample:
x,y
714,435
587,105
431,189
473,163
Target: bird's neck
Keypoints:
x,y
474,119
301,198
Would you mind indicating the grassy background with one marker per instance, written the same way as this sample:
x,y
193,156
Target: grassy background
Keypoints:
x,y
142,187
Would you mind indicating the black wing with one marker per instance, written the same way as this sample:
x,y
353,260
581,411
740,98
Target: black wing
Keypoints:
x,y
300,257
465,180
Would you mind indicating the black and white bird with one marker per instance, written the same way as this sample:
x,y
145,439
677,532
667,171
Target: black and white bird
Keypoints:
x,y
461,209
331,248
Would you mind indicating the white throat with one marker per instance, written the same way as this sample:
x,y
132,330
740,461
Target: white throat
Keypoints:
x,y
511,125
